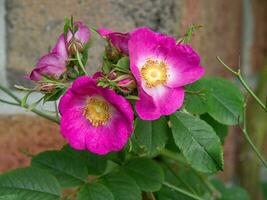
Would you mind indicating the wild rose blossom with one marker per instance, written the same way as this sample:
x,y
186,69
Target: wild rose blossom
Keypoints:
x,y
161,68
54,63
117,39
95,118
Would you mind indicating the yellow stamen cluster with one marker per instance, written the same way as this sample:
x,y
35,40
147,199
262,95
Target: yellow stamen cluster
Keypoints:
x,y
97,111
154,72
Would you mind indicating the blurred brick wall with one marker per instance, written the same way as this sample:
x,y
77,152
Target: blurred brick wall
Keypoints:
x,y
32,27
31,22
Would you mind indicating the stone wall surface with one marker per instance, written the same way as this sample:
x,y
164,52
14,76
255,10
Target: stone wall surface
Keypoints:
x,y
21,135
33,26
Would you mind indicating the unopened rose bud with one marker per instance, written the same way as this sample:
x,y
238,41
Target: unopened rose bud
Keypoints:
x,y
126,83
112,53
46,87
112,75
75,46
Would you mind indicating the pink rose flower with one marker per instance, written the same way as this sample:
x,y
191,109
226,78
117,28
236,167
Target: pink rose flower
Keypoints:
x,y
117,39
95,118
54,63
161,68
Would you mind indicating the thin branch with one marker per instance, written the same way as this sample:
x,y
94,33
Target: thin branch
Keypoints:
x,y
243,82
226,66
36,111
251,92
182,161
56,110
44,115
150,195
9,102
80,62
245,133
5,90
176,176
182,191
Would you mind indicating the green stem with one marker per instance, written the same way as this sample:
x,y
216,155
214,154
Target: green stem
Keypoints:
x,y
173,156
150,196
38,112
182,191
244,130
250,91
56,110
80,62
9,102
243,82
5,90
181,180
254,148
49,117
208,184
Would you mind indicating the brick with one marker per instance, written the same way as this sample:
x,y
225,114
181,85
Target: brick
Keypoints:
x,y
221,32
25,133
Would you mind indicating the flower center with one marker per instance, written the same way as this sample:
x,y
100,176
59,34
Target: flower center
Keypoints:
x,y
154,72
97,111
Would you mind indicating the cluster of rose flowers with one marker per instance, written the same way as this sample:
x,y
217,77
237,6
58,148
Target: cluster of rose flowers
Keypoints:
x,y
143,75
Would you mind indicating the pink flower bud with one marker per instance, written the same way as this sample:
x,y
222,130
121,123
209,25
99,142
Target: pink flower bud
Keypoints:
x,y
75,46
46,87
112,53
112,75
126,83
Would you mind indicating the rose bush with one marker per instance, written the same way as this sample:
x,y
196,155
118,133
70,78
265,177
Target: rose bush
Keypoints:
x,y
148,125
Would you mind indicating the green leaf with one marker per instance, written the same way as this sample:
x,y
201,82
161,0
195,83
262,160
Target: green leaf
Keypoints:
x,y
9,197
196,97
123,63
264,189
71,23
68,170
151,136
96,164
189,33
66,26
231,192
106,66
122,186
24,99
235,193
147,173
55,95
225,101
94,191
220,129
29,183
185,178
198,142
132,97
168,194
85,52
33,105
